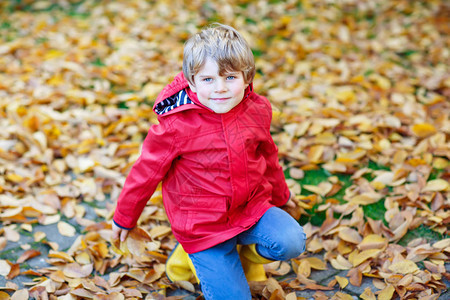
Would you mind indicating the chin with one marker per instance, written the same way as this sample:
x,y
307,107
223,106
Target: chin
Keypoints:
x,y
221,111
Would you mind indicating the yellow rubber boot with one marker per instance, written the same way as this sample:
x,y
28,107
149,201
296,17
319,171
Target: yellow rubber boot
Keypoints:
x,y
179,266
253,263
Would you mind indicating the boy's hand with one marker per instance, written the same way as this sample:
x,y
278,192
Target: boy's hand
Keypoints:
x,y
292,208
119,233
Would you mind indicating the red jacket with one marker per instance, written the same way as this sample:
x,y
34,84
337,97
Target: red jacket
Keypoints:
x,y
220,172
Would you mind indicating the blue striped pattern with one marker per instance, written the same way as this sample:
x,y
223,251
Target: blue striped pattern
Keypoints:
x,y
172,102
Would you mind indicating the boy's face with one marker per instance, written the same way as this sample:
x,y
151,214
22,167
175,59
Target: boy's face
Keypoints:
x,y
219,93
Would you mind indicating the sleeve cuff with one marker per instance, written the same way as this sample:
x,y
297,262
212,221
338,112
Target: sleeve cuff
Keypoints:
x,y
121,226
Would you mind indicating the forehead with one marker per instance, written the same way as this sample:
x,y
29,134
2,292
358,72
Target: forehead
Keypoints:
x,y
211,67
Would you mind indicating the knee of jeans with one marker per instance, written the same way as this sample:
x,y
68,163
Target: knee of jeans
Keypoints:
x,y
293,245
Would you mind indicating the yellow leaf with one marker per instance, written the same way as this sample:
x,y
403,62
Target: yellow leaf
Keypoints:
x,y
423,129
14,178
344,248
4,296
368,294
436,185
387,293
343,282
39,235
66,229
350,157
366,198
350,235
53,53
100,249
372,241
83,258
60,255
316,263
325,138
381,81
440,163
315,153
151,90
322,188
345,94
340,263
365,255
404,267
442,244
314,246
304,268
159,231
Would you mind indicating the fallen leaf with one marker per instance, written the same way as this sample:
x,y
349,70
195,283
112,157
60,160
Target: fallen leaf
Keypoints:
x,y
372,241
404,267
436,185
5,268
343,282
74,270
364,255
350,235
316,263
368,294
423,129
387,293
27,255
20,295
66,229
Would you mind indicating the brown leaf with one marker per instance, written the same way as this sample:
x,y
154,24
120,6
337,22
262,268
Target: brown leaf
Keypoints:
x,y
355,276
27,255
14,272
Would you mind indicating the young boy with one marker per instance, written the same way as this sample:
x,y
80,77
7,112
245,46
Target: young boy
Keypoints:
x,y
222,182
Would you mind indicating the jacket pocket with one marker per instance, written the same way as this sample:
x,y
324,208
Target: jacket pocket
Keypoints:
x,y
198,214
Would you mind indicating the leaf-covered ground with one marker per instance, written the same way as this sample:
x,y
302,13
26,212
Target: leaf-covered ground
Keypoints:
x,y
360,91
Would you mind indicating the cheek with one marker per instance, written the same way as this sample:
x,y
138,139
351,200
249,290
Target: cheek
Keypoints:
x,y
204,92
238,90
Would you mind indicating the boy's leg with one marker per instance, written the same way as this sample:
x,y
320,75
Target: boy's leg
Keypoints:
x,y
277,236
220,272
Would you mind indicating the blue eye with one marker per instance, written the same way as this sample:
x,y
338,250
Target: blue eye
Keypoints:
x,y
231,77
207,79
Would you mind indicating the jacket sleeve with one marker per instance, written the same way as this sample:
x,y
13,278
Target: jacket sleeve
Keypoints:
x,y
158,151
274,173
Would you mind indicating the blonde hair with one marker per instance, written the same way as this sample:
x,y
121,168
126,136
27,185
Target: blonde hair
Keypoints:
x,y
225,45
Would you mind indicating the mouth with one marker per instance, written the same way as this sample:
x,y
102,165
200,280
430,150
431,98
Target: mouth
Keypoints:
x,y
220,99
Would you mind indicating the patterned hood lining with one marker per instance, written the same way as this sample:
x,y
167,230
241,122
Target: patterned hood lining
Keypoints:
x,y
172,102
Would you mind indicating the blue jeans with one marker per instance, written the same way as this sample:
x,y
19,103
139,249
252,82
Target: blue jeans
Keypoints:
x,y
277,236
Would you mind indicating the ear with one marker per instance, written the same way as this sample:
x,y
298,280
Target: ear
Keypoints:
x,y
192,87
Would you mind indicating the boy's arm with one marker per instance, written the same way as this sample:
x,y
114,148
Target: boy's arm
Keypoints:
x,y
158,151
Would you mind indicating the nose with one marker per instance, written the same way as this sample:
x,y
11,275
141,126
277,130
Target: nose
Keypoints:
x,y
221,85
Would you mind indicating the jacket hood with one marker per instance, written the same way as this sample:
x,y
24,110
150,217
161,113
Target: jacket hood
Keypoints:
x,y
177,96
174,97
